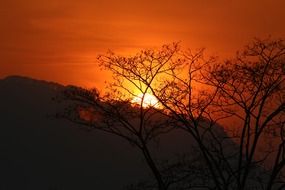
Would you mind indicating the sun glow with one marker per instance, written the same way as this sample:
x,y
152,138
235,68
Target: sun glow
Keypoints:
x,y
147,100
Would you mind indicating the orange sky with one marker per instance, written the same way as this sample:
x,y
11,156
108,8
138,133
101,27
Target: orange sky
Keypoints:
x,y
59,40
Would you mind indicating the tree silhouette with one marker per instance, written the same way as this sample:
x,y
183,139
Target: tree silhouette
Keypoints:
x,y
113,112
194,93
252,91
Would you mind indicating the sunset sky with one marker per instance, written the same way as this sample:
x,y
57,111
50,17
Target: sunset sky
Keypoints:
x,y
58,40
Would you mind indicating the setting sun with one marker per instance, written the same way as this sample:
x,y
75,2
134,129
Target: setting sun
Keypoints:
x,y
149,100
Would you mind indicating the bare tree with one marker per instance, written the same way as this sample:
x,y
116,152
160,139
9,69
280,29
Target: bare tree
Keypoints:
x,y
194,93
173,77
252,90
160,73
113,113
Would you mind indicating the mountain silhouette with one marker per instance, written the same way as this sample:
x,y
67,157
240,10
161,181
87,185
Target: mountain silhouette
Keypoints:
x,y
38,151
